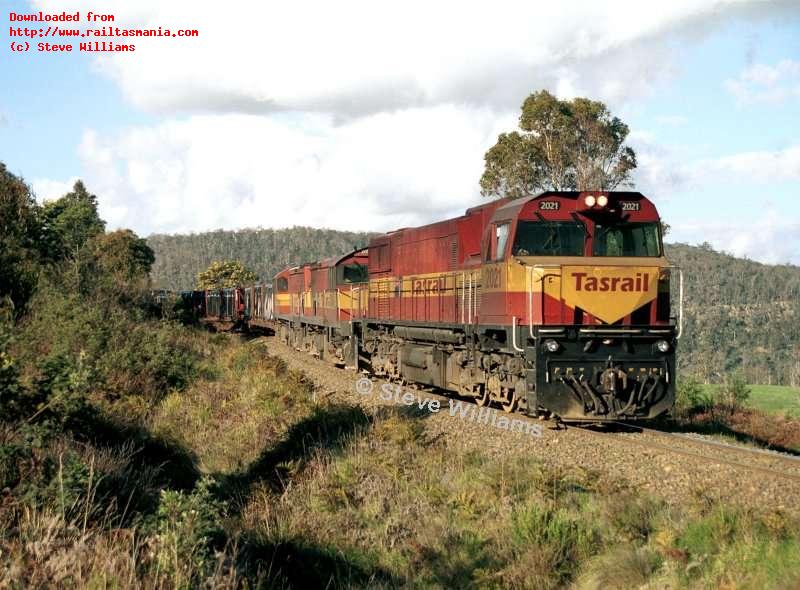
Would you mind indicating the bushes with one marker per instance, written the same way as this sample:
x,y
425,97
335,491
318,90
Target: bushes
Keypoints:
x,y
148,360
9,374
10,455
734,391
693,397
561,540
102,350
187,527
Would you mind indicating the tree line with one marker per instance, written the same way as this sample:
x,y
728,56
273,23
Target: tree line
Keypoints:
x,y
181,258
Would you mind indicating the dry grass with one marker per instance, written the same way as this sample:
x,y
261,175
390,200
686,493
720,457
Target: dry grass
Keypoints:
x,y
747,424
292,490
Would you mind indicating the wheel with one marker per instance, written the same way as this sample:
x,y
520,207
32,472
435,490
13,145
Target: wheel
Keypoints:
x,y
483,397
511,404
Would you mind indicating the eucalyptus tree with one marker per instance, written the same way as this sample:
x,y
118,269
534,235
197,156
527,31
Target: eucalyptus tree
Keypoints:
x,y
560,145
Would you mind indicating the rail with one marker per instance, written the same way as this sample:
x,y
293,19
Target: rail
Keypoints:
x,y
672,448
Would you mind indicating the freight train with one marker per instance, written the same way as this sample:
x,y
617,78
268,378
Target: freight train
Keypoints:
x,y
558,305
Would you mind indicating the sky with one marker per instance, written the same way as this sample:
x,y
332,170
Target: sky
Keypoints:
x,y
373,116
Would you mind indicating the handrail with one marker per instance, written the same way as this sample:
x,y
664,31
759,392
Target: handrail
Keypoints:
x,y
514,334
469,297
558,266
463,296
679,333
530,299
530,268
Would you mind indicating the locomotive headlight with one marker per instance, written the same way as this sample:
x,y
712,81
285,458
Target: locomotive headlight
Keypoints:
x,y
590,201
550,345
662,346
602,200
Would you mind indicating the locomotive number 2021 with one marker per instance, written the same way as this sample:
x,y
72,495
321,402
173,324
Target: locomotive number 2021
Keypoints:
x,y
630,205
549,205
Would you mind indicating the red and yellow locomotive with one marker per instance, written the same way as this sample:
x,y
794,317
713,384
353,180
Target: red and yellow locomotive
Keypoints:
x,y
557,304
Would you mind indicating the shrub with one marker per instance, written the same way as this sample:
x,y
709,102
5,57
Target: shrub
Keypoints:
x,y
10,455
691,396
187,527
68,342
9,378
62,388
634,515
148,360
564,540
734,391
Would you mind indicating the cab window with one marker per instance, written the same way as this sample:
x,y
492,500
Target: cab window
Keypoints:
x,y
353,273
500,240
627,239
549,238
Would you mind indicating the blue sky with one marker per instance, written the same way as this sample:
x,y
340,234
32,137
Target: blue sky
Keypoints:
x,y
344,122
47,102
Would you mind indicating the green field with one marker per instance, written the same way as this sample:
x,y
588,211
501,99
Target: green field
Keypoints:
x,y
774,399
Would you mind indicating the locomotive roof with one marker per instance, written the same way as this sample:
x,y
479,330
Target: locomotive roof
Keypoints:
x,y
513,206
334,260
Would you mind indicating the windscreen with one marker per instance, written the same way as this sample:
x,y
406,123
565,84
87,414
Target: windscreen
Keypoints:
x,y
627,239
549,238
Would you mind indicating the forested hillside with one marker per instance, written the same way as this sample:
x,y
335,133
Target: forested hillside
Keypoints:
x,y
740,314
266,251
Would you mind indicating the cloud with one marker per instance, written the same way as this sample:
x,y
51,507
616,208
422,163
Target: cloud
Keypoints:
x,y
378,172
355,57
49,190
209,171
352,116
680,183
771,238
770,166
662,169
761,83
672,120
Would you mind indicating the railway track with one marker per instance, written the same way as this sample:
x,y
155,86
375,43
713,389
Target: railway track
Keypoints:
x,y
761,460
764,461
668,464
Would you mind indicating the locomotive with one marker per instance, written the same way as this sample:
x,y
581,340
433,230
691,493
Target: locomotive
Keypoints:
x,y
556,304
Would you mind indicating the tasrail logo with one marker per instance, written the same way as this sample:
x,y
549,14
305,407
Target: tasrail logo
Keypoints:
x,y
609,292
421,286
639,283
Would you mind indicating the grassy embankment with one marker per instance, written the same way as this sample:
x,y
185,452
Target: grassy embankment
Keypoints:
x,y
241,474
761,415
773,399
